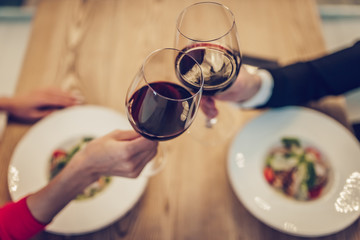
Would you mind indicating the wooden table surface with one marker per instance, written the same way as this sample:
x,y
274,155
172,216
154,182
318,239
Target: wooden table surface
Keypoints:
x,y
96,47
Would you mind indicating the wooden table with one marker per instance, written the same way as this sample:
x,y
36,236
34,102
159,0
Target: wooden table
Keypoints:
x,y
96,46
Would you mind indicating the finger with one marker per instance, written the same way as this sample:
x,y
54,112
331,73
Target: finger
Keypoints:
x,y
54,100
140,167
35,115
224,97
141,144
207,105
139,162
56,97
230,94
73,95
124,135
138,159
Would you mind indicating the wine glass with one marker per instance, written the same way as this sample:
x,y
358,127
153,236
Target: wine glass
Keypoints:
x,y
207,32
160,103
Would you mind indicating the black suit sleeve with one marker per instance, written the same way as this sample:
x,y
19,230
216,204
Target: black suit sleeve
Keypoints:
x,y
302,82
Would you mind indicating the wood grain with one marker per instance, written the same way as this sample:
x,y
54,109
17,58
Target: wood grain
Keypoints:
x,y
95,47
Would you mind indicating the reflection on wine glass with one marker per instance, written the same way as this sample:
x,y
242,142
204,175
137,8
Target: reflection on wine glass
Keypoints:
x,y
160,106
207,32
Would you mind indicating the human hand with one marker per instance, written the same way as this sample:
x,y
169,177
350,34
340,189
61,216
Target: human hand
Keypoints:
x,y
119,153
39,103
245,86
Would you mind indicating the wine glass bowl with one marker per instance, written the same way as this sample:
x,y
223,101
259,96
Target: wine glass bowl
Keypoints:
x,y
160,106
207,32
160,102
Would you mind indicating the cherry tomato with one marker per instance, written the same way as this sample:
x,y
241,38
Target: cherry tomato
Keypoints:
x,y
315,192
269,174
59,153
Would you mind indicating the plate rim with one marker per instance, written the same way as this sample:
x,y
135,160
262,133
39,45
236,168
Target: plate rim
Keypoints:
x,y
231,161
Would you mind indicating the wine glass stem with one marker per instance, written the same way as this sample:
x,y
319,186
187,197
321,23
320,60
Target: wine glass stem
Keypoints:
x,y
210,122
156,164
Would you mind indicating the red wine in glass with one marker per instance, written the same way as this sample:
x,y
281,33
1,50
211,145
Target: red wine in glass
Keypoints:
x,y
158,112
220,66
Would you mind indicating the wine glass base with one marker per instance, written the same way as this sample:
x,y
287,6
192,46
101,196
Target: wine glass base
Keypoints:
x,y
215,131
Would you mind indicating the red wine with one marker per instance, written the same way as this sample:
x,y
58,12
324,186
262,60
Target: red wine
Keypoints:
x,y
159,111
219,66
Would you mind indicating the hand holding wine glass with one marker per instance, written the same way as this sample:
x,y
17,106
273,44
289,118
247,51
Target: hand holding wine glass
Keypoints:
x,y
160,103
244,88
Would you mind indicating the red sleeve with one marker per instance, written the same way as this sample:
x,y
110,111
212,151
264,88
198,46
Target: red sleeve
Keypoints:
x,y
17,222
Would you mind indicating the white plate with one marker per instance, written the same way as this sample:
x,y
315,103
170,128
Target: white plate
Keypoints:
x,y
334,210
28,170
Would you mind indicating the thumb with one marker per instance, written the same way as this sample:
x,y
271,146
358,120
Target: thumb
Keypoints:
x,y
208,106
124,135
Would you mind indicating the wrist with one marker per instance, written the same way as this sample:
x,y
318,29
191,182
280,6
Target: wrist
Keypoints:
x,y
64,187
260,92
254,85
80,172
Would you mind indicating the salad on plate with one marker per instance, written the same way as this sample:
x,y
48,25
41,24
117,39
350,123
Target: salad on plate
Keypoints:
x,y
297,170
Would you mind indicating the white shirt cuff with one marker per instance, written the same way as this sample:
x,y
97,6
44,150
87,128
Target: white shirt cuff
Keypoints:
x,y
264,93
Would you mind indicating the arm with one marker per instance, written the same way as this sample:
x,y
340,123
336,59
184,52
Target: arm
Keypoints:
x,y
299,83
333,74
17,222
120,153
